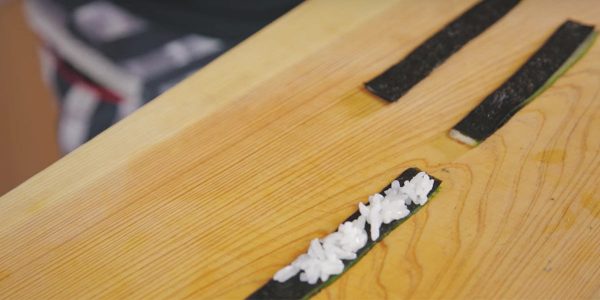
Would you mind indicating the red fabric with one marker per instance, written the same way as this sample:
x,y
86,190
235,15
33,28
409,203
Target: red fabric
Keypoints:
x,y
71,75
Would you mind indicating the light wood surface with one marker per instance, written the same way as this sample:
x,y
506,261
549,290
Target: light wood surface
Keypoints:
x,y
208,190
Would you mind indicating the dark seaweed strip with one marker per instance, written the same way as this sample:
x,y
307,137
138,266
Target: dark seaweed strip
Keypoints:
x,y
560,51
293,288
397,80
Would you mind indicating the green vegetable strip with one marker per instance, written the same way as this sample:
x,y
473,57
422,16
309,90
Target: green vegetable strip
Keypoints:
x,y
567,45
296,289
418,64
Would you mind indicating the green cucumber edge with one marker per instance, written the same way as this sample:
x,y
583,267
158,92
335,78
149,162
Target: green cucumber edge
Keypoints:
x,y
575,57
368,249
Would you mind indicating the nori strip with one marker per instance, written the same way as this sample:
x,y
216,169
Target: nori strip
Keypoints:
x,y
566,45
293,288
397,80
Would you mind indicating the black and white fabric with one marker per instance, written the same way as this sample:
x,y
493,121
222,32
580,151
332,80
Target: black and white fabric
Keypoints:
x,y
106,58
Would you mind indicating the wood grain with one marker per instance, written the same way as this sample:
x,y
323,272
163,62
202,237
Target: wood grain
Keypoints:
x,y
211,188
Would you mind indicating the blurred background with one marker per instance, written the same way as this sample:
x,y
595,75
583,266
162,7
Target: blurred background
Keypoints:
x,y
69,69
28,111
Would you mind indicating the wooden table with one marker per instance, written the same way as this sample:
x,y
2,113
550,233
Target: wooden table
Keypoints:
x,y
215,185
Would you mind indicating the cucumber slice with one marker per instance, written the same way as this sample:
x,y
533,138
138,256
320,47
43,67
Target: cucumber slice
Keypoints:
x,y
400,78
293,288
565,47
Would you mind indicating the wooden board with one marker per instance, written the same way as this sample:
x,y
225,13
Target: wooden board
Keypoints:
x,y
211,188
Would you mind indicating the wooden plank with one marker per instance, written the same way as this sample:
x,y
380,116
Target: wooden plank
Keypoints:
x,y
518,217
210,189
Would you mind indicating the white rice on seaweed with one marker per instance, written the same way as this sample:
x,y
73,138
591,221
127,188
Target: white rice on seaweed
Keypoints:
x,y
324,256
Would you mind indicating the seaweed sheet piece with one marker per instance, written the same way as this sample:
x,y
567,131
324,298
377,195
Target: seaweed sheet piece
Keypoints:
x,y
566,45
293,288
397,80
